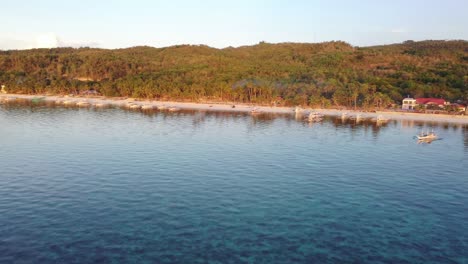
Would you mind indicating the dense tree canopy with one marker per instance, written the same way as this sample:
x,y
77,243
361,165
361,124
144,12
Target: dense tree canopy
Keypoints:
x,y
324,74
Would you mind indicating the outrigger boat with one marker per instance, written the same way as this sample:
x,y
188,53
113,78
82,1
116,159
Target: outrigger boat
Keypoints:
x,y
344,116
427,136
357,117
314,117
255,111
380,119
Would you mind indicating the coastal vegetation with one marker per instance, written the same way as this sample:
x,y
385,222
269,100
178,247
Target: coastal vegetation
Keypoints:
x,y
331,74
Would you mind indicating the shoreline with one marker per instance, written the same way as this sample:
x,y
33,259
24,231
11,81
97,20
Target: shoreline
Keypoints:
x,y
131,103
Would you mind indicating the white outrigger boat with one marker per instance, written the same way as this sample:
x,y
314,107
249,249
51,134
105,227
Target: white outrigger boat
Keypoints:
x,y
427,136
255,111
147,107
173,109
344,116
380,119
69,102
315,117
135,106
100,105
83,104
357,117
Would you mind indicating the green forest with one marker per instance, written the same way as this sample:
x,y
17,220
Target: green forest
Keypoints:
x,y
330,74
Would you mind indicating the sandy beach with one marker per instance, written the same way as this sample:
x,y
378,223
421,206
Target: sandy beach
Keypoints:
x,y
131,103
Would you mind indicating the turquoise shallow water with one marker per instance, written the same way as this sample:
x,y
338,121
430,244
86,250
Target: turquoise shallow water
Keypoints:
x,y
88,186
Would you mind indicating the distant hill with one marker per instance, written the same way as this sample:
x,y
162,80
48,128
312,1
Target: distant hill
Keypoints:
x,y
323,74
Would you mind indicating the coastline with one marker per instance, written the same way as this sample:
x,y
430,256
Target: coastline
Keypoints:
x,y
85,101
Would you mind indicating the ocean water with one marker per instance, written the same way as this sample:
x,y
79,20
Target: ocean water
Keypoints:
x,y
116,186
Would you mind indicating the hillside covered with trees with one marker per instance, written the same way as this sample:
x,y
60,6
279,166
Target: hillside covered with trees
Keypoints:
x,y
327,74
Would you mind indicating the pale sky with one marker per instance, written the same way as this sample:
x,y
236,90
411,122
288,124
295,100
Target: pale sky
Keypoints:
x,y
118,24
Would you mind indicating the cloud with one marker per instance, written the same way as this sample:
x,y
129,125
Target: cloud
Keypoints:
x,y
48,41
78,44
12,44
45,40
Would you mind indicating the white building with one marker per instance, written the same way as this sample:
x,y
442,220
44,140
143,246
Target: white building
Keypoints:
x,y
409,104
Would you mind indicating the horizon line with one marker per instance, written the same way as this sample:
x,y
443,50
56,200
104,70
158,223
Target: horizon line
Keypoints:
x,y
230,47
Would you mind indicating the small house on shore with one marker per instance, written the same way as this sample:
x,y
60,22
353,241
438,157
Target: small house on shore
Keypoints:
x,y
3,89
409,104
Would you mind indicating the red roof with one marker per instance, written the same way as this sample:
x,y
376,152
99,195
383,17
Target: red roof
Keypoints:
x,y
435,101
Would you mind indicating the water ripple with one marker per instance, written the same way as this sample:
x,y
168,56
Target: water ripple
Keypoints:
x,y
85,186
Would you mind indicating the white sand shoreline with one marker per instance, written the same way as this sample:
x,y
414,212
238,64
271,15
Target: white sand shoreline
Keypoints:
x,y
151,104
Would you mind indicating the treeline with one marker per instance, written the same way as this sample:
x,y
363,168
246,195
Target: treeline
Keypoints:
x,y
319,75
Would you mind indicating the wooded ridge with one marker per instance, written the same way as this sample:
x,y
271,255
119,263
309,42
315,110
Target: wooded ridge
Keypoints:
x,y
318,75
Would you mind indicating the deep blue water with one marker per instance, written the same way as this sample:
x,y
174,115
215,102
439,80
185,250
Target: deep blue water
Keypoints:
x,y
94,186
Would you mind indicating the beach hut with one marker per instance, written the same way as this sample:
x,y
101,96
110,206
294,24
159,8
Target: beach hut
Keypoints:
x,y
3,89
